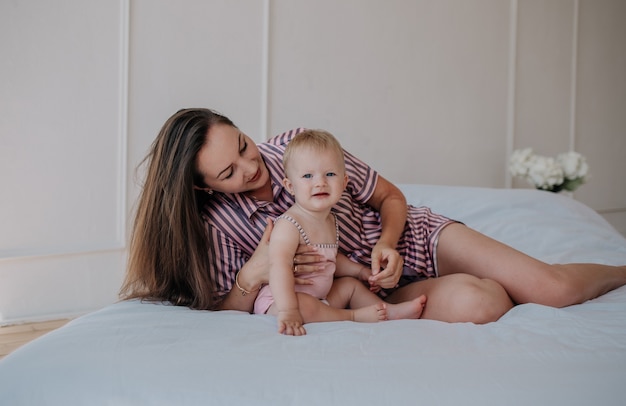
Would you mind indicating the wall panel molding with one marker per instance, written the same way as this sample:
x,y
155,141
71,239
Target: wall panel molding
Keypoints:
x,y
510,120
124,68
116,240
573,78
265,72
55,287
63,156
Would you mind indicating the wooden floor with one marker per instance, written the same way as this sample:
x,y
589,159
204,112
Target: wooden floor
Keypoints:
x,y
13,337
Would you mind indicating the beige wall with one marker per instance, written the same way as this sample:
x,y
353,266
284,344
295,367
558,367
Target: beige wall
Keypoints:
x,y
427,91
570,92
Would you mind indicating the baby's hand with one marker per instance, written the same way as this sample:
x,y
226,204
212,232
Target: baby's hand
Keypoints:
x,y
290,323
365,275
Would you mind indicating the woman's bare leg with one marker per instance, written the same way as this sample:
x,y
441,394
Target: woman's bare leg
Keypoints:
x,y
526,280
458,298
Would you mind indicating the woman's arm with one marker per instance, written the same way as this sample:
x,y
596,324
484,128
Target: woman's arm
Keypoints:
x,y
255,273
252,275
390,202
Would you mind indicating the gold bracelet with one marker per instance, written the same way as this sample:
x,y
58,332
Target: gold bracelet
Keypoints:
x,y
242,290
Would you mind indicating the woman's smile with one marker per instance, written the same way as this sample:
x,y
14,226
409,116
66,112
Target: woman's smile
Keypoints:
x,y
256,176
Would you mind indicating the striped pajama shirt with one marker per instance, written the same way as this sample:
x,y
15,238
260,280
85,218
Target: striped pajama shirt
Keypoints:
x,y
235,222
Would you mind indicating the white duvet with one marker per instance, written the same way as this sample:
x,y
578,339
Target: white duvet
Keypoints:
x,y
134,353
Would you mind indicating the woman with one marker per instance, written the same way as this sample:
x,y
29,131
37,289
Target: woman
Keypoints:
x,y
203,222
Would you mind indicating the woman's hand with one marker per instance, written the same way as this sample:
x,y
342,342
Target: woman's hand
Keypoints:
x,y
256,272
307,261
392,206
386,266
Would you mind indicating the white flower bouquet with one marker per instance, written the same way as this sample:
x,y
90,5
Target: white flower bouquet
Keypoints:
x,y
568,171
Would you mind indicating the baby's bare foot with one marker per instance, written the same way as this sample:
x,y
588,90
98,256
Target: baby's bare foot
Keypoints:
x,y
407,310
372,314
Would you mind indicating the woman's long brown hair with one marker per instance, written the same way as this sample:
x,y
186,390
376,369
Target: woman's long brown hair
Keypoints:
x,y
169,251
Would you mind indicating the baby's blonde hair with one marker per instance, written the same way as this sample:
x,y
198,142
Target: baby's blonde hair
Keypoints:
x,y
319,140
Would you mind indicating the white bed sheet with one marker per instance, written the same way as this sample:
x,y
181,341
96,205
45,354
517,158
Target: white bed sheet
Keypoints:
x,y
134,353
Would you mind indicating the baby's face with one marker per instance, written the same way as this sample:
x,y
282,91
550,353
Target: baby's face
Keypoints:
x,y
316,178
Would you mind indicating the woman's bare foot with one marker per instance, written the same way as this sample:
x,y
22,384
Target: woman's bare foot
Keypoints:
x,y
407,310
371,314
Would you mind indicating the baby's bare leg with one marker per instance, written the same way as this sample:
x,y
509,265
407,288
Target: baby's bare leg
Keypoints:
x,y
353,294
313,310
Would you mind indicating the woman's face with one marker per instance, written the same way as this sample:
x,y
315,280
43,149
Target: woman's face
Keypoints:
x,y
230,162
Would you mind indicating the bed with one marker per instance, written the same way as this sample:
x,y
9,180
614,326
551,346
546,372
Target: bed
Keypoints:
x,y
134,353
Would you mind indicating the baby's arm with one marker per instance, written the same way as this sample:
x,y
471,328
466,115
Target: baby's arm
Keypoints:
x,y
283,245
346,267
